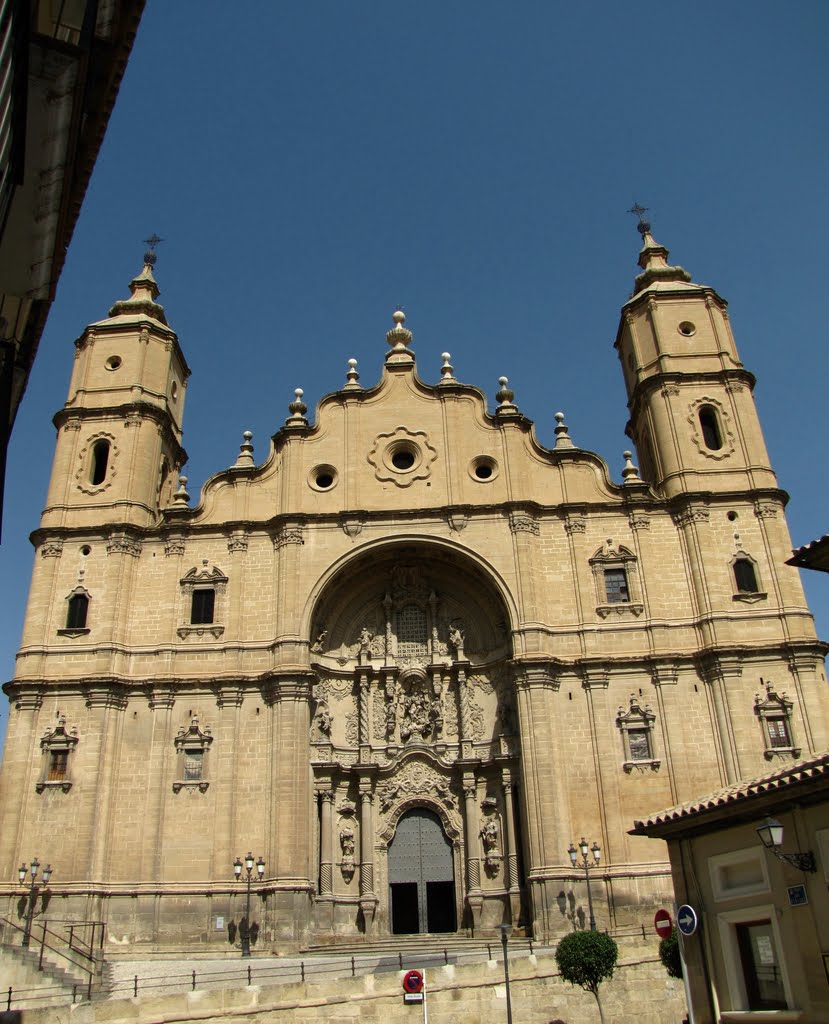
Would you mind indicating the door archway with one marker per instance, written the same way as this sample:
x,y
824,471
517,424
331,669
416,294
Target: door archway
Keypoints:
x,y
421,875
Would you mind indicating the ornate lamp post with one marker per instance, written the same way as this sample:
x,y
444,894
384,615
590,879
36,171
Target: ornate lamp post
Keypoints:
x,y
33,891
244,933
596,851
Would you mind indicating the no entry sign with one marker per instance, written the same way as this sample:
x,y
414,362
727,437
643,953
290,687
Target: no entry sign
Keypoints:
x,y
663,924
412,981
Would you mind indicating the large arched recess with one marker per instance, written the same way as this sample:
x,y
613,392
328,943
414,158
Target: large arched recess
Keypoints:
x,y
461,577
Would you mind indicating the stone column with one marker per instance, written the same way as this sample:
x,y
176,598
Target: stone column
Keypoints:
x,y
326,837
474,893
368,898
717,673
365,717
464,717
511,847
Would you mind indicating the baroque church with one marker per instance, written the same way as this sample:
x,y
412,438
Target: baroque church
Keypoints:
x,y
408,658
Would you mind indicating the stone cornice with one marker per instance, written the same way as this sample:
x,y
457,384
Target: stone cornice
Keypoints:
x,y
644,388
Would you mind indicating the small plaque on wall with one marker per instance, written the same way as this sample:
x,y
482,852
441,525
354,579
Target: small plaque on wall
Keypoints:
x,y
220,924
797,896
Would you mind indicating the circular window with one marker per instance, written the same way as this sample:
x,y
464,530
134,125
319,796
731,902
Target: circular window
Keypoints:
x,y
403,456
686,328
732,515
86,550
403,459
483,468
113,362
323,478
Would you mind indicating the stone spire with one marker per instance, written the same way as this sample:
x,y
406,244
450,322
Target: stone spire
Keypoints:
x,y
653,259
143,289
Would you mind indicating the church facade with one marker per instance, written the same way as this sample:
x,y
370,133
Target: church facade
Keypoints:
x,y
407,659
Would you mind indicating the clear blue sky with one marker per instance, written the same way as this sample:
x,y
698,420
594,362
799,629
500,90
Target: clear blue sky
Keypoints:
x,y
311,165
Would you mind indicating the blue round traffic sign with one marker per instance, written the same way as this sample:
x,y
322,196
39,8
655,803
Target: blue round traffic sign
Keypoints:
x,y
686,919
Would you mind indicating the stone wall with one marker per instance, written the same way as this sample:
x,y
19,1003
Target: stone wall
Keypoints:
x,y
640,991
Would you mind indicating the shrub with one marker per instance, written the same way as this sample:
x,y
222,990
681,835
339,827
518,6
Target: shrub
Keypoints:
x,y
669,955
587,959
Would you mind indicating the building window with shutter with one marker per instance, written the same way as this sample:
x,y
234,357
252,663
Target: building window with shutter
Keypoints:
x,y
774,714
636,725
192,755
57,748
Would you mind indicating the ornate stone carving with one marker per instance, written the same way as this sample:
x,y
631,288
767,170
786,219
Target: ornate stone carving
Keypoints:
x,y
575,524
764,511
174,546
122,544
347,847
288,535
321,725
352,735
520,522
238,541
639,521
416,779
685,516
670,389
51,549
489,834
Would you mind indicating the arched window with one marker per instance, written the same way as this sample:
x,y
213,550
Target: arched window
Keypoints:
x,y
710,426
100,461
77,611
745,576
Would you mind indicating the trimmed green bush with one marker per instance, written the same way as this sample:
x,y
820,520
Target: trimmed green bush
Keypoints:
x,y
587,959
669,955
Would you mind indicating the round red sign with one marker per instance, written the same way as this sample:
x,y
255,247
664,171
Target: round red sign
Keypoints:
x,y
413,981
663,924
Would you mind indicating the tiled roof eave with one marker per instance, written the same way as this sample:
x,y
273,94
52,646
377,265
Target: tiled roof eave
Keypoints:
x,y
789,783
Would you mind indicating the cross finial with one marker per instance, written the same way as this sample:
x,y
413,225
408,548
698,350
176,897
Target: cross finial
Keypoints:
x,y
150,256
643,227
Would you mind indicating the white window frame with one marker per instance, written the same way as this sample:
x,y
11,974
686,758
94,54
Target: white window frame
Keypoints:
x,y
726,860
732,962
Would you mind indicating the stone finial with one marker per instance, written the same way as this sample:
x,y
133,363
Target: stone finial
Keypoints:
x,y
181,498
352,377
563,439
653,257
447,370
297,409
245,456
630,473
399,338
504,396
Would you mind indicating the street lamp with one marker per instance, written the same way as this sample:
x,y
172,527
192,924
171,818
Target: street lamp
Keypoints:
x,y
771,835
22,871
597,853
505,930
244,933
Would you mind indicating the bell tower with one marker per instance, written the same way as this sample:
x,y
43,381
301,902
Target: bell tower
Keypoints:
x,y
118,446
692,413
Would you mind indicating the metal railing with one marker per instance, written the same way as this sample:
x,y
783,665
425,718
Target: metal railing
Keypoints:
x,y
84,954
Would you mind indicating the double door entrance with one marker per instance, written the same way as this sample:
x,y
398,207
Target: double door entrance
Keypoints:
x,y
421,876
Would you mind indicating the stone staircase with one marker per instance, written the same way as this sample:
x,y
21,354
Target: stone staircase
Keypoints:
x,y
25,982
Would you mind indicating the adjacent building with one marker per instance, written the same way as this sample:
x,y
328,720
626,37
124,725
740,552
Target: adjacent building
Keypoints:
x,y
408,655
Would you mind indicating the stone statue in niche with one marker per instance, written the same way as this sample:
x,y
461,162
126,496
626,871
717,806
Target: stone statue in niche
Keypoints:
x,y
318,645
489,838
347,847
322,721
420,707
366,636
457,636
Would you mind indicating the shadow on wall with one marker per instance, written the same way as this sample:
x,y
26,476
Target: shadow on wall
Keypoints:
x,y
575,915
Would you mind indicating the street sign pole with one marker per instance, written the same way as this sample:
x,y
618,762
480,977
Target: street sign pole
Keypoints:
x,y
688,1003
425,1008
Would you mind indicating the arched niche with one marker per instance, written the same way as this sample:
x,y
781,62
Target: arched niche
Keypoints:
x,y
410,603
